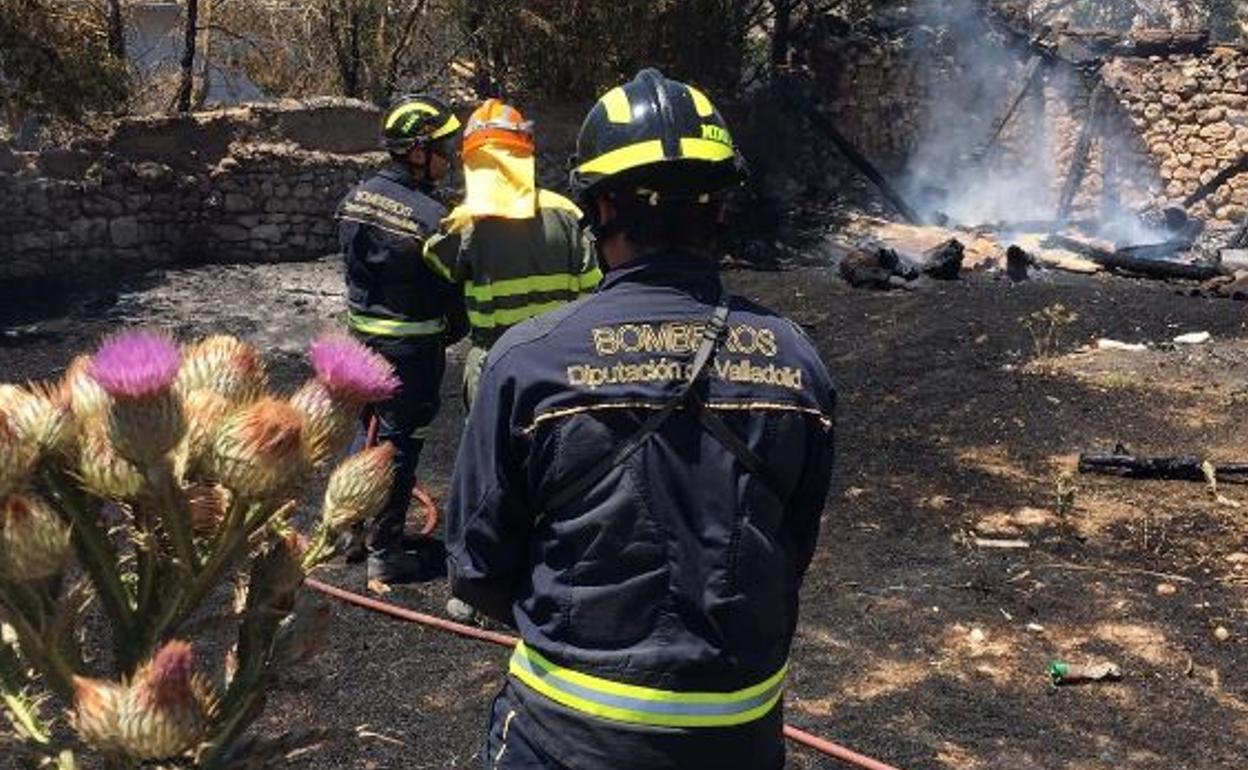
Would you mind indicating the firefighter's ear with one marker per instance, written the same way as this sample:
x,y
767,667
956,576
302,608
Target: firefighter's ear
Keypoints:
x,y
606,209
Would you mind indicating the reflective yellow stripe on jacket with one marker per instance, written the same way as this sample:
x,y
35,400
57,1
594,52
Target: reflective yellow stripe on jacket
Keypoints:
x,y
388,327
644,705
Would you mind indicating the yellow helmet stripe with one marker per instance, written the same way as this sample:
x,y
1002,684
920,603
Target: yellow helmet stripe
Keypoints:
x,y
408,109
633,155
705,149
701,103
623,158
617,105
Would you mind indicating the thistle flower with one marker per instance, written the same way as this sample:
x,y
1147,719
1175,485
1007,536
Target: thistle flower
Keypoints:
x,y
353,373
359,487
138,369
102,471
328,425
226,366
258,450
204,410
97,712
34,542
167,707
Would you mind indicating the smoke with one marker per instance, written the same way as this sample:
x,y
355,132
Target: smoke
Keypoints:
x,y
969,72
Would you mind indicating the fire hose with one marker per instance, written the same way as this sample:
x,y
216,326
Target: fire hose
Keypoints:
x,y
801,737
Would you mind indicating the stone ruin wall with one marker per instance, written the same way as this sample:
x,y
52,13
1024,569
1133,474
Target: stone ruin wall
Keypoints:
x,y
245,184
1173,122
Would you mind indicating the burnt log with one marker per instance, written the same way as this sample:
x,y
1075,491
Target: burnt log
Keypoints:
x,y
847,148
1132,263
944,262
1181,468
871,266
1017,263
1079,162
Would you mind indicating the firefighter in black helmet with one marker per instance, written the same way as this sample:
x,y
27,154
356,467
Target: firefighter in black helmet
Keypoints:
x,y
401,309
639,487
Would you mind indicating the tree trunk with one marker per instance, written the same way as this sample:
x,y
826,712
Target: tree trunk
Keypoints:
x,y
187,83
781,31
116,30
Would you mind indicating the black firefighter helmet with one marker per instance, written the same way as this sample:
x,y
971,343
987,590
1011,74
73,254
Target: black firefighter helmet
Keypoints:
x,y
417,119
654,136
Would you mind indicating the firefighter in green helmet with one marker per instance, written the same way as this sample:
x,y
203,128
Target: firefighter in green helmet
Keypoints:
x,y
401,309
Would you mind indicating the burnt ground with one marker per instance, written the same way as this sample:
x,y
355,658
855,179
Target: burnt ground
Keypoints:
x,y
920,643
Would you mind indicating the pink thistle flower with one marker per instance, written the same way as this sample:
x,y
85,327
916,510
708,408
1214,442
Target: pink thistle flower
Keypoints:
x,y
136,364
351,371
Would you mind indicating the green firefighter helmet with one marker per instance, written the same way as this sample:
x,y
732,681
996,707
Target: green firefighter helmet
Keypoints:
x,y
417,119
654,135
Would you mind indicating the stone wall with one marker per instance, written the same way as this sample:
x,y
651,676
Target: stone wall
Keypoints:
x,y
1170,125
1192,114
253,183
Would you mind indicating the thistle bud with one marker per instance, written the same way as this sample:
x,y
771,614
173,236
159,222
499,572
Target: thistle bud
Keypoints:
x,y
258,450
102,470
34,542
19,452
37,414
167,707
359,487
205,410
226,366
86,399
97,713
137,369
328,424
353,374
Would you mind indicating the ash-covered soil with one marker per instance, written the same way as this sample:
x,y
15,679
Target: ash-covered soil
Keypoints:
x,y
921,643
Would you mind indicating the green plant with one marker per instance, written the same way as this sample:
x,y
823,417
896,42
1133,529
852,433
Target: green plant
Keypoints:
x,y
1046,325
149,478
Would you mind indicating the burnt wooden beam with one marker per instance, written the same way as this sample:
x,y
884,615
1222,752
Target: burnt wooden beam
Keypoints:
x,y
1128,260
1208,188
1028,79
851,153
1083,147
1162,42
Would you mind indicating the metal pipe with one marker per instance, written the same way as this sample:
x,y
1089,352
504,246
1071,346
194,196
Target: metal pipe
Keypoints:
x,y
836,751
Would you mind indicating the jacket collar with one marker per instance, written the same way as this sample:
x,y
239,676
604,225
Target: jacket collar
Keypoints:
x,y
397,172
669,268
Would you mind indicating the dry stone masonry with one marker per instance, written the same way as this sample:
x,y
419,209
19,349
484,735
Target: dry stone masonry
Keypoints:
x,y
257,183
1169,124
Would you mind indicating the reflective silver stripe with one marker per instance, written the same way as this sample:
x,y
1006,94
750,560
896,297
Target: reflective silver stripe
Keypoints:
x,y
390,328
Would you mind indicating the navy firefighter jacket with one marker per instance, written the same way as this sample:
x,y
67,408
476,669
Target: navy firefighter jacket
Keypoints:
x,y
678,570
393,299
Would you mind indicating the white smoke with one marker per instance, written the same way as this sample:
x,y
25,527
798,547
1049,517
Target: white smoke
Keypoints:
x,y
969,71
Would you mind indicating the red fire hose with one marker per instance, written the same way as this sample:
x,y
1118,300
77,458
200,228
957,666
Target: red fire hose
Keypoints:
x,y
827,747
